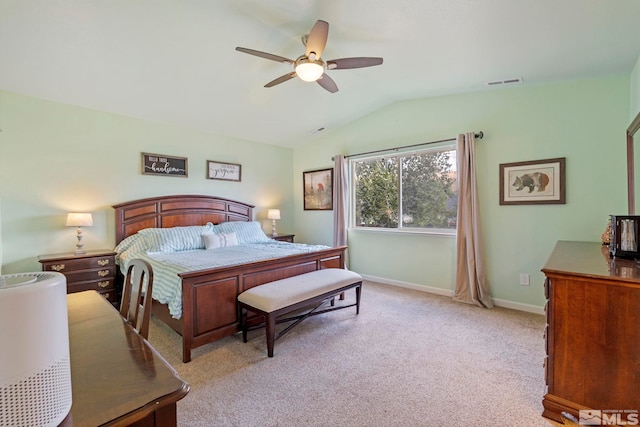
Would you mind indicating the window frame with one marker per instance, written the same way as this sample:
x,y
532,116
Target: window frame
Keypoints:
x,y
443,232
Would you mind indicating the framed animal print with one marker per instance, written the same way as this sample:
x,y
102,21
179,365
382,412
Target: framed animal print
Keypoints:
x,y
535,182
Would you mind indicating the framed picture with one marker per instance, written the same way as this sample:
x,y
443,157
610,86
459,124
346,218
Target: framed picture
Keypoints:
x,y
224,171
534,182
159,164
318,190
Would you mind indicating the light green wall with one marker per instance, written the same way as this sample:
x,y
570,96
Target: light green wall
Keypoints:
x,y
635,90
580,120
56,158
0,234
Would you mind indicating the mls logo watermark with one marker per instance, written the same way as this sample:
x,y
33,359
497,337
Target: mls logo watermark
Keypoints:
x,y
597,417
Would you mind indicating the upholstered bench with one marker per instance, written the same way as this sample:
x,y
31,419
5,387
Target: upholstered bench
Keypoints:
x,y
274,299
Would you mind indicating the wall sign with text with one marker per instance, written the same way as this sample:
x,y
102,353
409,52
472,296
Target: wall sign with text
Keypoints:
x,y
159,164
224,171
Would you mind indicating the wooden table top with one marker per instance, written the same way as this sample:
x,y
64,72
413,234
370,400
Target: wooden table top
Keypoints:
x,y
117,377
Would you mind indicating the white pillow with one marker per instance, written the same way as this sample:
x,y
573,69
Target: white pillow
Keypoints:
x,y
220,240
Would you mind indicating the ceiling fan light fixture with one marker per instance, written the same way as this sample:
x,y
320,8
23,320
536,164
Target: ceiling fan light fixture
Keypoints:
x,y
309,70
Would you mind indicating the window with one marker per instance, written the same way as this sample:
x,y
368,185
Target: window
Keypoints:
x,y
415,191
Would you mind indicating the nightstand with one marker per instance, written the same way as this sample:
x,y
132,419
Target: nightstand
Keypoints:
x,y
94,270
282,237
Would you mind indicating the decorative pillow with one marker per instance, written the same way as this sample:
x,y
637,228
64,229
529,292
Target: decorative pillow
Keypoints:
x,y
246,232
219,240
176,238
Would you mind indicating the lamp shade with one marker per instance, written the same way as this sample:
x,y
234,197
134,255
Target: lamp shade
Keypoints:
x,y
273,214
77,219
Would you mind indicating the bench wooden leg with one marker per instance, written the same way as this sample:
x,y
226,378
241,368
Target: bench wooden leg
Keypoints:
x,y
358,290
243,323
270,320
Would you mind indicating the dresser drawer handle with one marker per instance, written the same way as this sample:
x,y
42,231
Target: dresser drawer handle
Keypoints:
x,y
103,284
103,273
106,296
57,267
103,262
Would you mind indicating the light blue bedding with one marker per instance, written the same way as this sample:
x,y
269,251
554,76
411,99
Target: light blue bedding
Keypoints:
x,y
167,286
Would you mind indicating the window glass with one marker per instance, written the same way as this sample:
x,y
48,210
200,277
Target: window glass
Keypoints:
x,y
413,191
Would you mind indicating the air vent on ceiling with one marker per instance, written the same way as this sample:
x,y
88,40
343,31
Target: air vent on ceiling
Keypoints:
x,y
504,82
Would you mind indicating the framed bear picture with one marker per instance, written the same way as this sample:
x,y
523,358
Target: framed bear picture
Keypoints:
x,y
534,182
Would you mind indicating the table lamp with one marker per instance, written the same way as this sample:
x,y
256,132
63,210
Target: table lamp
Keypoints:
x,y
77,219
273,214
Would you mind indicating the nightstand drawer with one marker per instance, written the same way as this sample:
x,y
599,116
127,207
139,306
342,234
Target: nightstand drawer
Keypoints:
x,y
110,296
107,285
65,265
87,275
283,237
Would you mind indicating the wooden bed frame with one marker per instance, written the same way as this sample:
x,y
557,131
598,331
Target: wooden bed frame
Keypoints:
x,y
209,308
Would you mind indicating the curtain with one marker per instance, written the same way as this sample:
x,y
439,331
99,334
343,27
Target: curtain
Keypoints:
x,y
471,283
340,194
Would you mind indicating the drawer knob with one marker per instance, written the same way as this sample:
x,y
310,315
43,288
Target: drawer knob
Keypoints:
x,y
103,262
57,267
104,284
103,273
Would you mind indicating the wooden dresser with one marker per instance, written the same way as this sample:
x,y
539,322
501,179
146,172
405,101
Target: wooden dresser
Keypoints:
x,y
593,331
94,270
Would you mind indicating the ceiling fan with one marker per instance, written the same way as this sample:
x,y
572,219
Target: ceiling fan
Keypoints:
x,y
310,67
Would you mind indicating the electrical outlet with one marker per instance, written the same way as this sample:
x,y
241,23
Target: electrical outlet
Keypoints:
x,y
524,279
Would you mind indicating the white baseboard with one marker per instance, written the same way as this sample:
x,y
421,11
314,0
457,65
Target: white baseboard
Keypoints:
x,y
447,292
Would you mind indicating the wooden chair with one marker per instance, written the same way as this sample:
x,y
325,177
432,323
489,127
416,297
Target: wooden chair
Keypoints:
x,y
135,306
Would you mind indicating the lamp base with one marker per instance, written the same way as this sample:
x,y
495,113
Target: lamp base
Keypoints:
x,y
273,227
79,246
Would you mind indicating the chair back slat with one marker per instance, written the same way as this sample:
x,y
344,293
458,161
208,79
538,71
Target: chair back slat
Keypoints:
x,y
135,306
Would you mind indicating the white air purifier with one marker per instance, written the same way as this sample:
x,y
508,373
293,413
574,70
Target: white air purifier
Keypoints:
x,y
35,371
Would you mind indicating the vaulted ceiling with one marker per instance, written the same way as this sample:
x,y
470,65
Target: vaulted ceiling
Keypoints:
x,y
174,61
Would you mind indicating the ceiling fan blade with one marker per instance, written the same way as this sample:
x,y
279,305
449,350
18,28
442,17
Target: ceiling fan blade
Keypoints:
x,y
264,55
360,62
317,39
327,82
281,79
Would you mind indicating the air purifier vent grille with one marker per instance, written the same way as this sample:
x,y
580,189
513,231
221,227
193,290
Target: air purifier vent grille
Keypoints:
x,y
26,405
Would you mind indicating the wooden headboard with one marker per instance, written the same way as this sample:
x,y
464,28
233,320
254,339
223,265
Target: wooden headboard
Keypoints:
x,y
176,211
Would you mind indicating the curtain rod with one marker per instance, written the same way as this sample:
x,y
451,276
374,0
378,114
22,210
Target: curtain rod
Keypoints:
x,y
478,135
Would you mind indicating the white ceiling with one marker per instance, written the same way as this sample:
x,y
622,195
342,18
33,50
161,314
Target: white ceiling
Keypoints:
x,y
174,61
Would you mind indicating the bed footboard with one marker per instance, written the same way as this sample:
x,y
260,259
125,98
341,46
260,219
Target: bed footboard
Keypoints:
x,y
209,307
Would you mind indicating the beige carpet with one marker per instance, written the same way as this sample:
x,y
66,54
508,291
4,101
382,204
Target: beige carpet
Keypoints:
x,y
408,359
